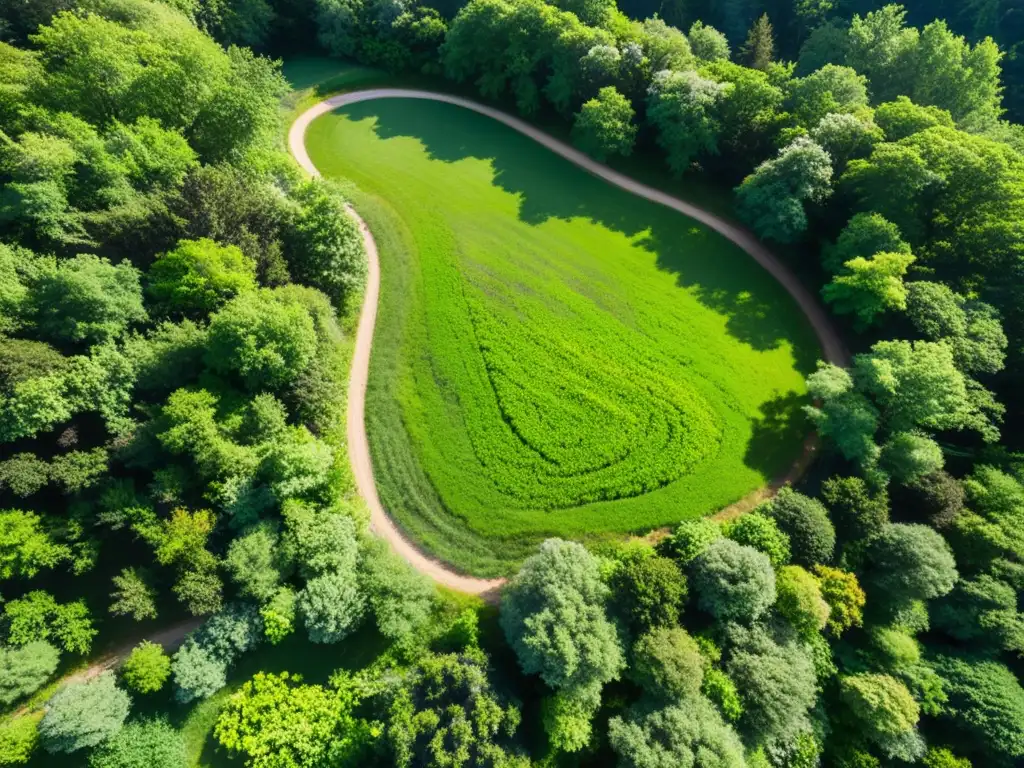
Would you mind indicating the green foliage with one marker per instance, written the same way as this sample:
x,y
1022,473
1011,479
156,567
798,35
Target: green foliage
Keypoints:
x,y
444,711
986,707
317,541
253,562
85,299
553,616
902,118
845,598
147,668
721,691
133,595
198,672
19,737
142,744
25,670
400,598
682,106
971,328
707,43
733,582
800,600
885,713
274,720
690,734
806,523
940,757
829,90
690,539
264,337
869,287
323,245
331,606
759,48
568,720
37,616
198,276
863,236
845,137
667,663
648,590
762,533
83,714
856,510
908,562
279,615
604,125
25,546
771,200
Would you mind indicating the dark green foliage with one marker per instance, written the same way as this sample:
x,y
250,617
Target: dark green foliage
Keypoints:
x,y
648,590
908,562
400,598
667,663
986,708
939,497
759,49
806,522
143,744
84,714
856,511
689,734
25,670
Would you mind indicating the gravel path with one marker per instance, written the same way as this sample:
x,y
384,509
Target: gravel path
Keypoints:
x,y
358,447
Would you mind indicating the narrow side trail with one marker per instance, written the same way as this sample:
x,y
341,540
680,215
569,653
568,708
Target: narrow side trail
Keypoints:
x,y
358,445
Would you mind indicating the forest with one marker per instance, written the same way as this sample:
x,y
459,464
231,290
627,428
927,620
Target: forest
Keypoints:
x,y
176,310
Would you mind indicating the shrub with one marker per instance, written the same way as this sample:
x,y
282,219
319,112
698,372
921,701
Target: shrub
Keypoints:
x,y
763,534
845,598
886,713
648,590
690,539
84,714
198,673
604,125
19,737
800,601
144,744
147,668
805,521
331,607
667,663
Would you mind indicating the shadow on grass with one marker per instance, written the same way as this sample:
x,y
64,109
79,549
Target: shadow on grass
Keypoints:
x,y
718,273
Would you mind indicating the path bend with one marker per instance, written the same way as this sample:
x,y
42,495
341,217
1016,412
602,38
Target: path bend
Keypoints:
x,y
358,445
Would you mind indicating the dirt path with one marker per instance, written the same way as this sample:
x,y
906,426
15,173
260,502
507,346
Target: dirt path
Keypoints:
x,y
359,453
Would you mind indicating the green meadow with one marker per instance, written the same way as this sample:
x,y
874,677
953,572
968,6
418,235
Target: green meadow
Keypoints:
x,y
553,356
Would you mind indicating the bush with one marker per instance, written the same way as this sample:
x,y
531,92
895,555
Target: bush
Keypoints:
x,y
84,714
667,663
25,670
690,539
886,713
734,582
604,125
649,591
763,534
800,601
805,521
145,744
198,673
331,607
19,737
147,668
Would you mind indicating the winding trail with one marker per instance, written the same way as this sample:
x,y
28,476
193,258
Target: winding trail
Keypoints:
x,y
358,445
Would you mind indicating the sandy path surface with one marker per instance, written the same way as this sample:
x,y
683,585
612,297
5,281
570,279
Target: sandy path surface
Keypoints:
x,y
358,446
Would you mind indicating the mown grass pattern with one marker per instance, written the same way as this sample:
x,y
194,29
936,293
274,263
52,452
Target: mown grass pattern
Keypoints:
x,y
553,355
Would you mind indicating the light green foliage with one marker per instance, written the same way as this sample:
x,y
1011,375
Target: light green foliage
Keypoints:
x,y
733,582
198,276
25,670
181,541
771,199
142,744
800,600
323,244
885,712
262,336
444,711
147,668
909,562
553,616
972,328
830,90
83,714
682,106
331,606
297,464
274,721
153,157
762,533
253,562
568,720
133,595
25,546
986,707
198,672
844,596
85,299
667,663
604,125
902,118
400,598
867,288
707,43
863,236
690,539
665,46
19,737
940,757
278,615
690,734
648,590
463,442
721,690
908,456
37,616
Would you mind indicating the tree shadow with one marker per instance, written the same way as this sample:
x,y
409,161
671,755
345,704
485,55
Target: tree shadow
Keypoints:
x,y
782,425
758,311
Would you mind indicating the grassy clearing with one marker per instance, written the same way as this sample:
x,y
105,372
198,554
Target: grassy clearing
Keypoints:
x,y
553,355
